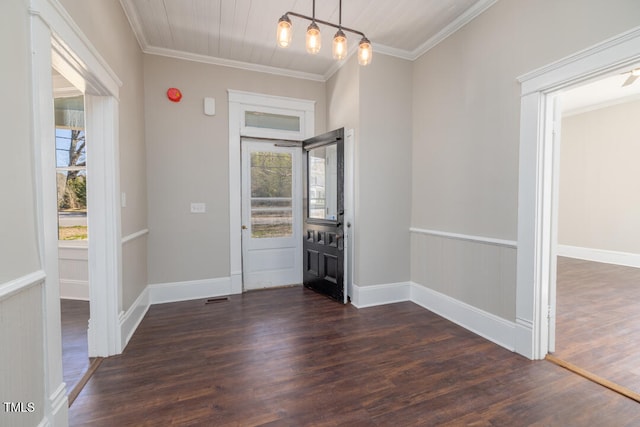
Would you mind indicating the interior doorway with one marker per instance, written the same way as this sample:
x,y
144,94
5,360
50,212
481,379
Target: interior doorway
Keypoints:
x,y
595,292
73,260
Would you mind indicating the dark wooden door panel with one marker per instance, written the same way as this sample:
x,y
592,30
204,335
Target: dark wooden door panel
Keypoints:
x,y
323,244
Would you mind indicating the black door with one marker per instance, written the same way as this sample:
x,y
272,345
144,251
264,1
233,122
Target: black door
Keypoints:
x,y
323,236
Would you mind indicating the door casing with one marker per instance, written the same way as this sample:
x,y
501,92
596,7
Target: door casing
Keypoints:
x,y
239,103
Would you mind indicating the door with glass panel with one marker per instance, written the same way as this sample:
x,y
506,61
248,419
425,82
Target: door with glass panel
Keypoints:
x,y
323,234
271,214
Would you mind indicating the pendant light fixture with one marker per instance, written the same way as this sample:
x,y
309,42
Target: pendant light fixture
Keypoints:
x,y
314,40
339,40
284,31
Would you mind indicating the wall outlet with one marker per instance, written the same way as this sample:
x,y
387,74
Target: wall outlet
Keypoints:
x,y
198,207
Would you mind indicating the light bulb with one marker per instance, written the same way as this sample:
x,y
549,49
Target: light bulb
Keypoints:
x,y
364,52
283,34
314,41
339,45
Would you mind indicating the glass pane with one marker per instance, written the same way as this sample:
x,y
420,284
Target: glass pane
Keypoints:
x,y
323,183
256,119
69,112
271,194
72,204
70,148
271,218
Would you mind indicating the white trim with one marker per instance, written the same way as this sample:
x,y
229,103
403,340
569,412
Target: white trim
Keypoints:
x,y
370,296
467,237
536,178
252,99
103,202
135,235
130,320
600,255
523,333
614,53
87,60
480,322
59,404
161,293
462,20
74,289
205,59
20,284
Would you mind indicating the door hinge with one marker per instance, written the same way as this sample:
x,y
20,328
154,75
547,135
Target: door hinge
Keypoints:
x,y
548,312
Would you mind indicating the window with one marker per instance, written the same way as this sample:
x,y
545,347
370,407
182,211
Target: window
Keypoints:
x,y
71,168
258,119
322,175
271,195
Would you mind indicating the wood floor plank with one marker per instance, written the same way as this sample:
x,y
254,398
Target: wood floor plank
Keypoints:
x,y
598,319
290,357
75,353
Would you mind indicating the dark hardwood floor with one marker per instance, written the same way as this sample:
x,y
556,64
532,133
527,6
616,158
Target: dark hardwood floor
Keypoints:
x,y
75,357
290,357
598,319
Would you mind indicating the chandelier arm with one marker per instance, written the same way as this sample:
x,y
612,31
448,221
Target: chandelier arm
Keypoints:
x,y
339,27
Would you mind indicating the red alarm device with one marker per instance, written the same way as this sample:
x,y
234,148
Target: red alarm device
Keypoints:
x,y
174,94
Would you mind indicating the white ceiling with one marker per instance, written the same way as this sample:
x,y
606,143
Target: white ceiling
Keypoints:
x,y
241,33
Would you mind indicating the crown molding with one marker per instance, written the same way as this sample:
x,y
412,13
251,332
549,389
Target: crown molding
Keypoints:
x,y
462,20
135,24
233,63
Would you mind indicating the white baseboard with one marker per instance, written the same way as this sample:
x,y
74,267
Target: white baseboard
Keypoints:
x,y
195,289
369,296
524,339
487,325
130,319
74,289
600,255
480,322
59,405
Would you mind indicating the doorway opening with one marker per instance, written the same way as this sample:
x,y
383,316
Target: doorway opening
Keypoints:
x,y
595,291
73,259
537,202
259,117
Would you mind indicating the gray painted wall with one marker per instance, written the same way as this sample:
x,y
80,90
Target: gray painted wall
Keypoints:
x,y
382,162
188,161
106,26
466,123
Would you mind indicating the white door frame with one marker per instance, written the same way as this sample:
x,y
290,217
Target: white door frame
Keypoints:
x,y
239,102
537,181
57,41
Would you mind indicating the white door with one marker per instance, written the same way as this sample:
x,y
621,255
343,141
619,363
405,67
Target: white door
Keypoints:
x,y
271,214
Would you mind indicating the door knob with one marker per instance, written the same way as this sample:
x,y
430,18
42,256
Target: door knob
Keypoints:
x,y
244,227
